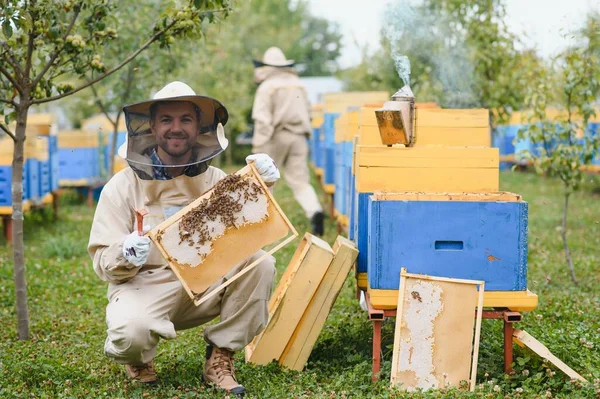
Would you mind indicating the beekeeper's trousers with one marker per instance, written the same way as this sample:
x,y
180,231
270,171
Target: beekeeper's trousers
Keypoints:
x,y
154,304
290,153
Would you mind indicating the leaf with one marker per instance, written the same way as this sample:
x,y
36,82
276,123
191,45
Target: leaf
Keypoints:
x,y
7,29
198,3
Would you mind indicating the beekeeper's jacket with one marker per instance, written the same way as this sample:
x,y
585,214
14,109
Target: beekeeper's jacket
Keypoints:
x,y
115,216
280,104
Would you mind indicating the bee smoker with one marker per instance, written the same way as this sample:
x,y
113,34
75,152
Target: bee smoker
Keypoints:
x,y
397,119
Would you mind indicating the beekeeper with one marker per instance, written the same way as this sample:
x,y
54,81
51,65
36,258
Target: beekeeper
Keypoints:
x,y
171,140
281,114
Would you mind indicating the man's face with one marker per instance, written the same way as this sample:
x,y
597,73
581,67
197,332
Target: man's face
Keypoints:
x,y
175,125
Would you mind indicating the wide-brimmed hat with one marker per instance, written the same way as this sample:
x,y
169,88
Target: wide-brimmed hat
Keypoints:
x,y
273,57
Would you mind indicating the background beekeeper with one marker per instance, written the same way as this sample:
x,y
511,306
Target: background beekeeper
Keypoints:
x,y
281,114
170,141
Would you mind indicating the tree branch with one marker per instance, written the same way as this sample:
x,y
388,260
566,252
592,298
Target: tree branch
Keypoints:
x,y
12,80
58,49
101,105
116,68
7,131
8,102
10,58
110,72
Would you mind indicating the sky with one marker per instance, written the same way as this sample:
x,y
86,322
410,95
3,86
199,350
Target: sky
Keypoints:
x,y
543,22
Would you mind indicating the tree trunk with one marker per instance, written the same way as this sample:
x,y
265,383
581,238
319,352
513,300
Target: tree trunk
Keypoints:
x,y
565,242
17,225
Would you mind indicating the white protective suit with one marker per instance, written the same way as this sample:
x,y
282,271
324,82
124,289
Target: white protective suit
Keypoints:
x,y
149,302
281,114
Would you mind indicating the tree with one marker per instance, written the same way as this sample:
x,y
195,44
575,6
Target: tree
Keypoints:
x,y
561,146
224,69
44,41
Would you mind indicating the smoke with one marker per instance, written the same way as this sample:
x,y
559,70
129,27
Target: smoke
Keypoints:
x,y
440,62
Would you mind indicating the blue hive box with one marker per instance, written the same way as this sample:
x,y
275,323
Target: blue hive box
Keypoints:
x,y
464,238
6,185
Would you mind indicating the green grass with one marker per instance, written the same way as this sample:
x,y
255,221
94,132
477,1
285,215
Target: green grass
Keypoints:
x,y
64,358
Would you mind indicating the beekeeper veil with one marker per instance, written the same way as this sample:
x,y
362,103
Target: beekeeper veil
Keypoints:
x,y
147,135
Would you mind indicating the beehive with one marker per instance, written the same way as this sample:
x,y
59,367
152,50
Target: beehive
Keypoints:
x,y
481,236
436,126
238,213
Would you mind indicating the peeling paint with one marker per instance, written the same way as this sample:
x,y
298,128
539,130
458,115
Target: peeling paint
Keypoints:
x,y
422,307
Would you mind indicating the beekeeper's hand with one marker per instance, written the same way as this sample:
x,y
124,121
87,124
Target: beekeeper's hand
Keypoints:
x,y
265,166
136,248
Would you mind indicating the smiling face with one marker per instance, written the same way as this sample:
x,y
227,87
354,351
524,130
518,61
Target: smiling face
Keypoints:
x,y
176,127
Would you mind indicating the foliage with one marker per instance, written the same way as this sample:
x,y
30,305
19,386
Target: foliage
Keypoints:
x,y
64,358
224,68
561,146
461,52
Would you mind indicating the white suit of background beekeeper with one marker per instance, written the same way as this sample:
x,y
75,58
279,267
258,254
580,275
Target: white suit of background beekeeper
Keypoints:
x,y
281,114
170,141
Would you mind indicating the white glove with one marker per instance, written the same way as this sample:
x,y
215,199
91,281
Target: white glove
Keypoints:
x,y
265,166
136,249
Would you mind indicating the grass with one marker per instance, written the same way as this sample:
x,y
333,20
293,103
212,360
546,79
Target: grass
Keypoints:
x,y
64,358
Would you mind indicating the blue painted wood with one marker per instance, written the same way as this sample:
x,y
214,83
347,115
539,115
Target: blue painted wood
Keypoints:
x,y
338,199
79,163
469,240
361,232
329,147
351,211
6,184
33,179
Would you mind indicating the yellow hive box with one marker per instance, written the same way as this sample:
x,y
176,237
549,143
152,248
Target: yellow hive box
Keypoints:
x,y
305,336
341,126
33,149
78,139
436,126
291,298
381,168
101,122
316,115
339,102
353,117
45,123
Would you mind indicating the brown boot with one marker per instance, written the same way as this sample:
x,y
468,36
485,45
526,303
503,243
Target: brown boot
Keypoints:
x,y
144,374
218,371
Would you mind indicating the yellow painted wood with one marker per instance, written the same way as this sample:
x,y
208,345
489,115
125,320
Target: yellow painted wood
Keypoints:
x,y
7,210
454,136
291,298
318,172
78,139
362,281
523,338
339,102
501,196
316,115
35,147
341,126
518,301
352,130
77,182
432,117
329,188
445,169
44,123
102,123
305,336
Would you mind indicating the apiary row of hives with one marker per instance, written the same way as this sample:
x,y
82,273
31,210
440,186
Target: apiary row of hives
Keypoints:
x,y
511,146
434,208
53,158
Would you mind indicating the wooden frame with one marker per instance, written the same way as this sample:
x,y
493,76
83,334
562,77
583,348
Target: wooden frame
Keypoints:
x,y
247,239
445,368
291,298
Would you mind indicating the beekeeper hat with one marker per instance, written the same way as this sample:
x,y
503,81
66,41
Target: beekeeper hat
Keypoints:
x,y
273,57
